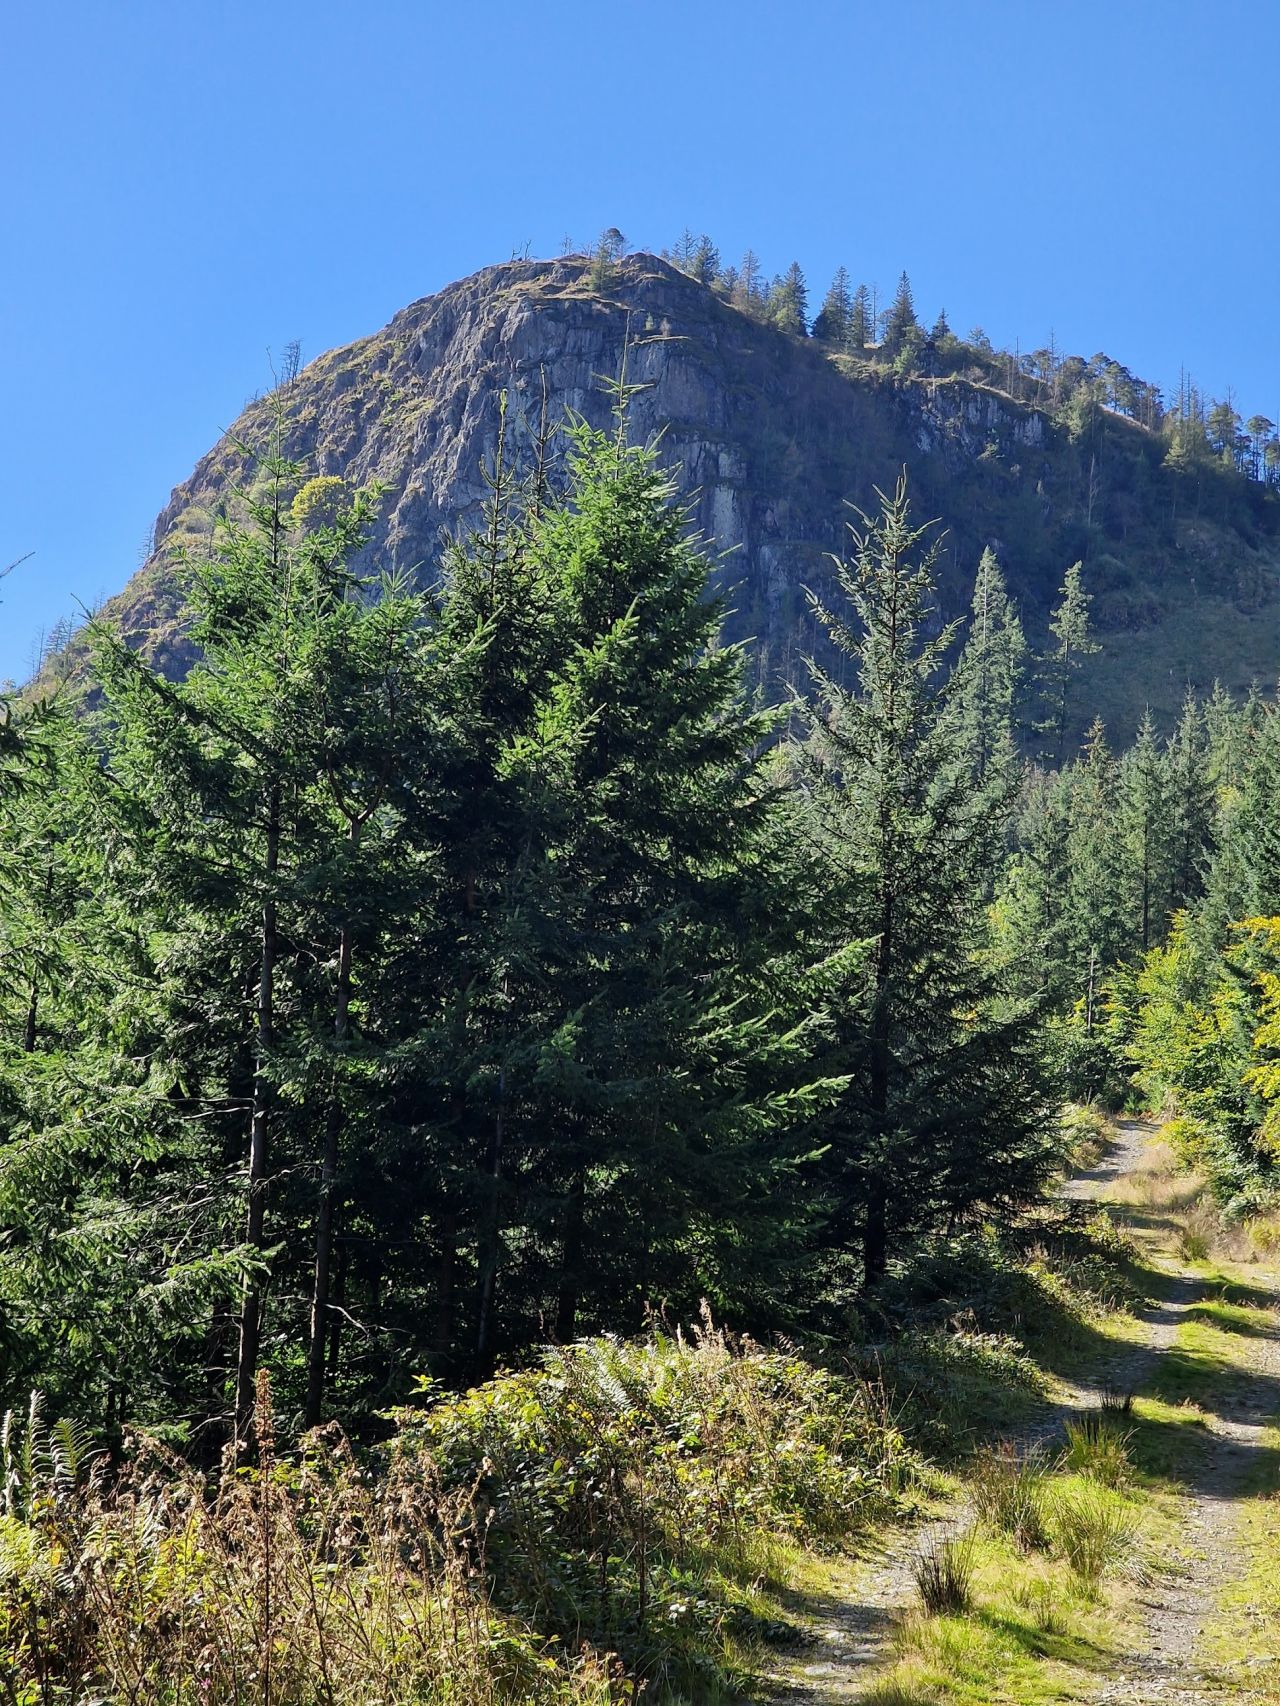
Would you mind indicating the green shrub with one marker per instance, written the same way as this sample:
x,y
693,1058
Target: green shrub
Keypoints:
x,y
632,1490
1191,1141
294,1584
949,1386
1086,1131
560,1537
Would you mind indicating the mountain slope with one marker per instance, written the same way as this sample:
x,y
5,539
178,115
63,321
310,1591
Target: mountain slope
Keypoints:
x,y
772,436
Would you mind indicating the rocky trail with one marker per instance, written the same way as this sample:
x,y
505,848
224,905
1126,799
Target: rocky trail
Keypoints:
x,y
851,1629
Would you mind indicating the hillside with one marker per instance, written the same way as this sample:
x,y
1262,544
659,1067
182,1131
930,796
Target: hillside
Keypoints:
x,y
772,435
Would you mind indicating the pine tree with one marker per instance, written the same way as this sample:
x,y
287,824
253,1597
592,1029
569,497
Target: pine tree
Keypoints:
x,y
646,814
788,302
1148,819
1073,642
1100,927
989,674
270,775
1192,804
900,318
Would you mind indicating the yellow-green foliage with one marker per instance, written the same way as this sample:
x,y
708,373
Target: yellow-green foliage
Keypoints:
x,y
318,502
1264,1075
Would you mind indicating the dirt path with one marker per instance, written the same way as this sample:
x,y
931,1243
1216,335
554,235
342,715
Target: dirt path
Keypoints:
x,y
852,1629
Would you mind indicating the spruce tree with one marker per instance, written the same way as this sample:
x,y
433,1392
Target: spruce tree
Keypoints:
x,y
1192,802
937,1117
900,318
1072,644
833,320
1147,811
989,674
861,328
788,302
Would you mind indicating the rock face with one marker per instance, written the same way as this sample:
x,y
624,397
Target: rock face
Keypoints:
x,y
770,437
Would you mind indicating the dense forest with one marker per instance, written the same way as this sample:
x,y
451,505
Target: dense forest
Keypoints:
x,y
427,979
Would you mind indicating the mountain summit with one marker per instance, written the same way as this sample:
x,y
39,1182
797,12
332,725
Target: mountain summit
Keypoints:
x,y
772,436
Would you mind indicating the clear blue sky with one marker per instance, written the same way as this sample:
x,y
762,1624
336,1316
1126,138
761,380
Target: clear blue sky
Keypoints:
x,y
186,186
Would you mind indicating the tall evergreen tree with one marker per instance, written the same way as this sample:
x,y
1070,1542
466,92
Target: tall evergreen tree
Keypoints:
x,y
989,674
833,319
1148,821
945,1105
900,317
789,302
1072,643
861,320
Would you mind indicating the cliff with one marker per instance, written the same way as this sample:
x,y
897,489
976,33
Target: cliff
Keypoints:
x,y
772,437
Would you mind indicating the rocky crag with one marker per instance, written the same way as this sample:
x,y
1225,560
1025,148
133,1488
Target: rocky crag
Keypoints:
x,y
772,437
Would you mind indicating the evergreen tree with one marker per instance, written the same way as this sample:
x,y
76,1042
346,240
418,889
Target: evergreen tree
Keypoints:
x,y
1192,804
833,322
1100,928
861,328
1072,643
938,1118
788,302
1149,825
989,675
900,318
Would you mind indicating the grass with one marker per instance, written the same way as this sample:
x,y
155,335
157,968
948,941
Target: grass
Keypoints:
x,y
1029,1635
1244,1635
944,1576
1098,1446
1007,1490
1062,1550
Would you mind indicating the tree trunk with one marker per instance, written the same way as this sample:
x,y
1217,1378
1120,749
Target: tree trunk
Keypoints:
x,y
29,1029
328,1182
446,1284
570,1263
492,1236
251,1304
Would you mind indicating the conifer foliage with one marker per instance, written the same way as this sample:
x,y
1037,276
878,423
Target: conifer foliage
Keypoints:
x,y
945,1109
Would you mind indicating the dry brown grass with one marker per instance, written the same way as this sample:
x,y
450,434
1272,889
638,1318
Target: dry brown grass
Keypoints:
x,y
305,1583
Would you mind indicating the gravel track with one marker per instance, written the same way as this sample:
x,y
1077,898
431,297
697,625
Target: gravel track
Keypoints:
x,y
851,1635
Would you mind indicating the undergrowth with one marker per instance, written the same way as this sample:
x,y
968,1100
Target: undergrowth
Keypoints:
x,y
610,1519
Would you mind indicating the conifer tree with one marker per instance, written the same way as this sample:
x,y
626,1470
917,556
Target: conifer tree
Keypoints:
x,y
1101,929
989,674
788,302
937,1117
1148,817
833,321
900,317
1072,643
1191,790
861,327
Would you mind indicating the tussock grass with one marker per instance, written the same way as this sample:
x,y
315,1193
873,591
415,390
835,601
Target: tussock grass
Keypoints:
x,y
1093,1528
1008,1490
1098,1446
944,1576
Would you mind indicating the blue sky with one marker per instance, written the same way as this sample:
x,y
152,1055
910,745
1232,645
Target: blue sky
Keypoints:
x,y
187,187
